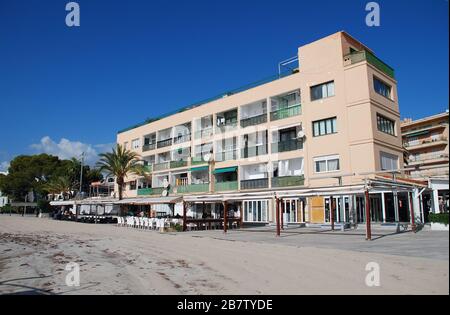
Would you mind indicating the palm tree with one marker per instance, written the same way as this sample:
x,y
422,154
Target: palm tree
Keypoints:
x,y
59,185
119,163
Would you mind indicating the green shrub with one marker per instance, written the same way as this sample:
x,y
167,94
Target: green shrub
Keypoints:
x,y
178,227
44,206
6,209
439,218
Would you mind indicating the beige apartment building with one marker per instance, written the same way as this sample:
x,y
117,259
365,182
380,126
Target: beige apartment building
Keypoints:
x,y
427,156
325,131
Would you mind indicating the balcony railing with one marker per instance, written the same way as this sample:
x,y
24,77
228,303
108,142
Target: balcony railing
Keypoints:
x,y
226,156
198,160
148,147
194,188
150,191
428,156
282,113
204,133
177,164
148,168
164,143
425,141
288,145
255,183
255,120
181,139
286,181
226,186
359,56
161,166
229,126
253,151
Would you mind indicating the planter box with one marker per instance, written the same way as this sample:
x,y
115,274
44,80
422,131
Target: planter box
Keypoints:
x,y
439,227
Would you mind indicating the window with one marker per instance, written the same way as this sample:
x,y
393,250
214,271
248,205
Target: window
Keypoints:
x,y
327,164
322,91
385,125
133,185
389,162
135,144
256,211
324,127
382,88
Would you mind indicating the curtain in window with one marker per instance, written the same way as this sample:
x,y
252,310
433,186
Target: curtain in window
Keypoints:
x,y
321,166
333,165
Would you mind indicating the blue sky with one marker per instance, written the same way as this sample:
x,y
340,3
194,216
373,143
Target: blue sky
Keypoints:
x,y
64,90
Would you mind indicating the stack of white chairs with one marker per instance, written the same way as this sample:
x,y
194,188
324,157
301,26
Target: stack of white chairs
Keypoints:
x,y
144,223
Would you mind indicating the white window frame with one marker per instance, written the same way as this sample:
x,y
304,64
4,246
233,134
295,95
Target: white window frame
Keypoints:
x,y
327,159
388,156
245,205
133,144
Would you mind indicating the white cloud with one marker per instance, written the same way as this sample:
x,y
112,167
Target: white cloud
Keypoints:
x,y
4,166
66,149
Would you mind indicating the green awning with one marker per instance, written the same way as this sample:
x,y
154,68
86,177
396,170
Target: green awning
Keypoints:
x,y
200,168
225,170
418,133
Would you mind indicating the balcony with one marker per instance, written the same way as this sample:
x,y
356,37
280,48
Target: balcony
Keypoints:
x,y
164,143
181,139
198,160
150,191
287,181
161,166
194,188
253,151
205,133
360,56
226,186
149,147
226,156
254,183
288,145
428,157
255,120
148,168
287,112
178,164
427,142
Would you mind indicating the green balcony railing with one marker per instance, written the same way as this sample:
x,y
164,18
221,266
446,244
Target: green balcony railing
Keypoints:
x,y
287,181
198,160
282,113
177,164
145,192
193,188
255,183
161,166
359,56
288,145
148,168
157,190
226,186
252,121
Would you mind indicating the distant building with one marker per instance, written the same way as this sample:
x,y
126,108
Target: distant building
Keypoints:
x,y
427,156
426,144
3,199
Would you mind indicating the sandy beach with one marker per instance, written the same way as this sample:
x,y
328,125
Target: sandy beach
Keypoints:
x,y
117,260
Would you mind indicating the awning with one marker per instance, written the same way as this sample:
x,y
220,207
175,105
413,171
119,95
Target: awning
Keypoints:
x,y
418,133
149,201
62,203
225,170
200,168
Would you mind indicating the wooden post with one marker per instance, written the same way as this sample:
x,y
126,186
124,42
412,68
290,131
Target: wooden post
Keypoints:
x,y
184,216
241,212
332,208
411,210
277,218
282,214
368,226
225,214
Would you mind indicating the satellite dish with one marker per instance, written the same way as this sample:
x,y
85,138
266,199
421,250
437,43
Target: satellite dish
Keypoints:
x,y
207,157
165,183
301,134
164,193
